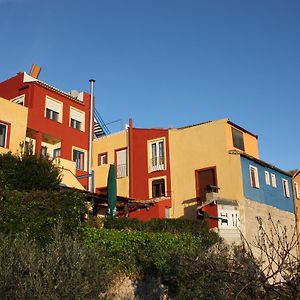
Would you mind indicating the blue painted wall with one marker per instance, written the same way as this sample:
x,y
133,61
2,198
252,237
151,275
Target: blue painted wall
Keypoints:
x,y
266,194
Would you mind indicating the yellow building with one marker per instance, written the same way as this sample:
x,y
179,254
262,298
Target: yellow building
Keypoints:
x,y
14,137
13,123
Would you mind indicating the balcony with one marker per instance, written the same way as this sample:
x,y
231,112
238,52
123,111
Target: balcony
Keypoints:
x,y
157,163
121,170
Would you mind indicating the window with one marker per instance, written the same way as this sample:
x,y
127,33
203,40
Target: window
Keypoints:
x,y
168,213
57,152
76,119
53,110
267,178
296,190
121,157
78,157
286,190
44,151
102,159
157,156
19,100
238,139
158,188
273,180
254,177
3,135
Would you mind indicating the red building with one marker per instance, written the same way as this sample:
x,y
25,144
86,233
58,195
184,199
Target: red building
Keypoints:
x,y
58,122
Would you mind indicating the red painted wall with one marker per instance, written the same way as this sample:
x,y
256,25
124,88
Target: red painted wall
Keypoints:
x,y
35,97
212,210
138,170
139,177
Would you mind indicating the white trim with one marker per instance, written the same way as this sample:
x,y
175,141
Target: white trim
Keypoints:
x,y
273,180
54,105
256,179
267,178
286,188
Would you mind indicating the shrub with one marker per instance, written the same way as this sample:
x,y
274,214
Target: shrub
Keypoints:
x,y
176,226
139,251
28,172
65,269
39,211
223,272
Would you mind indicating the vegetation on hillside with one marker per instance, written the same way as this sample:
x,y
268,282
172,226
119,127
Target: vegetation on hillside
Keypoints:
x,y
47,253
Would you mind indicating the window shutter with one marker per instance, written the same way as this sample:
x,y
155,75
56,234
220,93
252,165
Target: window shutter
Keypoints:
x,y
76,115
53,105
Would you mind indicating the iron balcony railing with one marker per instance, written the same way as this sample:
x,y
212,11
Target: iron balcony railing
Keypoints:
x,y
157,163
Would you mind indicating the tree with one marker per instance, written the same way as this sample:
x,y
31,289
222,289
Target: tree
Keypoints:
x,y
28,172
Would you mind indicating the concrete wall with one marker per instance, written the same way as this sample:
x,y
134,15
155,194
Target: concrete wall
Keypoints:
x,y
15,116
253,210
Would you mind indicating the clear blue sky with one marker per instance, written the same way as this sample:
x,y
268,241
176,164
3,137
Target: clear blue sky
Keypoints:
x,y
169,62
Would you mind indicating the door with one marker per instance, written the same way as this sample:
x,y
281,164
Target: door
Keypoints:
x,y
204,179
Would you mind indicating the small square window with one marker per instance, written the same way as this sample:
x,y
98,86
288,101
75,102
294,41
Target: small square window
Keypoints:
x,y
286,190
102,159
158,188
238,139
254,177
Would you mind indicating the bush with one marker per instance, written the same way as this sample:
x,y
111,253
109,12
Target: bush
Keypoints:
x,y
223,272
39,211
28,172
141,252
65,269
199,227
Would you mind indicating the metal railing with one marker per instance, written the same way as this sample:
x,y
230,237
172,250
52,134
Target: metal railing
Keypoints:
x,y
121,170
157,163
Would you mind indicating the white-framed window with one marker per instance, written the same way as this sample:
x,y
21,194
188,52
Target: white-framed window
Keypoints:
x,y
267,178
286,190
297,190
19,100
53,110
273,180
76,119
157,155
254,177
79,158
102,159
121,163
3,135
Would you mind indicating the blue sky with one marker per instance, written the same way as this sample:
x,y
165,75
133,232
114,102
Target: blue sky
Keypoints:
x,y
169,63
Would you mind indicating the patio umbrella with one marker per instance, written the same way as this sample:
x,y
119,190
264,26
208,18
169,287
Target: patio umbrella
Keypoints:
x,y
112,191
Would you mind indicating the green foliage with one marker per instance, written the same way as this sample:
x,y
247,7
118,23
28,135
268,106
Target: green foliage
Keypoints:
x,y
38,211
28,172
139,251
223,272
65,269
198,228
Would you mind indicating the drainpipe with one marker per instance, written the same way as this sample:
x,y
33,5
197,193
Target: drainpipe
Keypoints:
x,y
92,81
296,213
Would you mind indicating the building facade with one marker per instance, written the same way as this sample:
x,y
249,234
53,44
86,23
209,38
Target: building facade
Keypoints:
x,y
52,123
